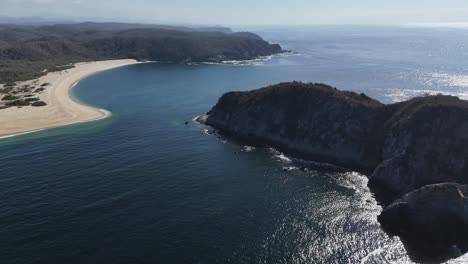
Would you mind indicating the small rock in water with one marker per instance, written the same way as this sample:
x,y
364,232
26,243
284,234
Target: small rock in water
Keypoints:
x,y
289,168
208,131
186,123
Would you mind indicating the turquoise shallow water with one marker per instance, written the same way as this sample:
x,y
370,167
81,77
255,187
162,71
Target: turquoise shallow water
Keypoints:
x,y
143,187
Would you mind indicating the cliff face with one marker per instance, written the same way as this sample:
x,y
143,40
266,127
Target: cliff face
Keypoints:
x,y
402,147
433,220
315,121
425,142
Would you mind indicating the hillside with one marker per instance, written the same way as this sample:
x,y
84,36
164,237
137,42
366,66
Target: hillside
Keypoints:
x,y
25,51
320,122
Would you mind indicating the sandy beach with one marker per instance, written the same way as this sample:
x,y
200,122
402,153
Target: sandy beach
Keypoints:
x,y
61,109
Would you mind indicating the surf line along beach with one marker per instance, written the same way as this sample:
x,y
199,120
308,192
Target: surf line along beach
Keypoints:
x,y
61,109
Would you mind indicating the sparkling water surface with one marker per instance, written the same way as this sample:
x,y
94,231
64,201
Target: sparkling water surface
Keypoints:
x,y
143,187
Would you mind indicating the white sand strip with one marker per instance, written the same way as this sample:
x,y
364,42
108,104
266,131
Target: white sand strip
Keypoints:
x,y
61,109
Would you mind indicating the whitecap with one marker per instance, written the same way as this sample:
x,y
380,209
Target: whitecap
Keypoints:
x,y
247,149
281,157
208,131
290,168
20,134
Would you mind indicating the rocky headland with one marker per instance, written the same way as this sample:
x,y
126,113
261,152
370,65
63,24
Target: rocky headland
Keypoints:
x,y
407,149
29,52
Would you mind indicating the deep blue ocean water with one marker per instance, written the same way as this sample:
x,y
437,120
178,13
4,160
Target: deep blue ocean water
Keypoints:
x,y
143,187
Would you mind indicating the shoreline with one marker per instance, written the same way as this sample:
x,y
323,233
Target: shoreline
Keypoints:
x,y
61,109
105,114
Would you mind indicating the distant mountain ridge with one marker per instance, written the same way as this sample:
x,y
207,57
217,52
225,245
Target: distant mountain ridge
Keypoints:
x,y
115,26
25,51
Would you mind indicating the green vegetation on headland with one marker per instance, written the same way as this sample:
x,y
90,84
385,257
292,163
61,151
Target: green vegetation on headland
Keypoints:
x,y
27,52
409,150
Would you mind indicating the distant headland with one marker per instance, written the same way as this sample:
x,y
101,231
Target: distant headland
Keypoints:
x,y
27,51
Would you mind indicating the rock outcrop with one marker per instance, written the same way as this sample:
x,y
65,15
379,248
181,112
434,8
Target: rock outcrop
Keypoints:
x,y
432,220
314,121
425,142
402,146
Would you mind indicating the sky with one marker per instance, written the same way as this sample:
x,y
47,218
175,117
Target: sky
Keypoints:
x,y
244,12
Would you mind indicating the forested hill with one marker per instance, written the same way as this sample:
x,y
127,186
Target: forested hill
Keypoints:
x,y
25,51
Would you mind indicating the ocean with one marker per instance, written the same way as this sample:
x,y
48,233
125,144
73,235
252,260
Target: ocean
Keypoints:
x,y
144,187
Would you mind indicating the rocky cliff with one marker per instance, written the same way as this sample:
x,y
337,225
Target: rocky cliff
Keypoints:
x,y
433,221
311,120
402,146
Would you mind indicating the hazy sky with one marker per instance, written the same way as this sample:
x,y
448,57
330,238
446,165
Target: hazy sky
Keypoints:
x,y
245,12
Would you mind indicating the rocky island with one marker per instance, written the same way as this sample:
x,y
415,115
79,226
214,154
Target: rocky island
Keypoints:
x,y
415,153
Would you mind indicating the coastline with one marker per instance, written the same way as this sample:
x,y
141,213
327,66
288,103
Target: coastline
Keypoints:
x,y
61,109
